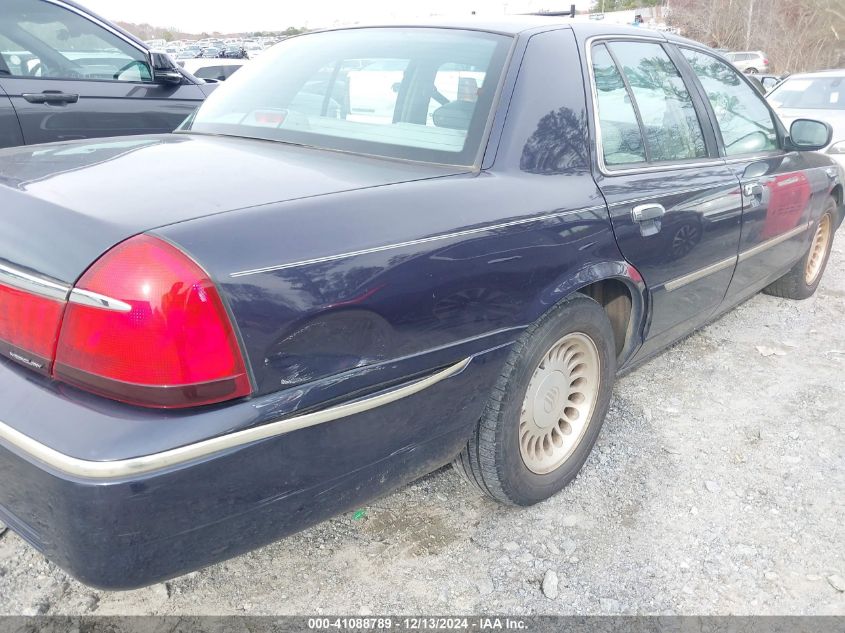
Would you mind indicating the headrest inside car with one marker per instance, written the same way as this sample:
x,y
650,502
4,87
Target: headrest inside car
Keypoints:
x,y
455,115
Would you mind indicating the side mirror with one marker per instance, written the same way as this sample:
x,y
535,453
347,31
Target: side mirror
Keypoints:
x,y
170,77
165,71
808,135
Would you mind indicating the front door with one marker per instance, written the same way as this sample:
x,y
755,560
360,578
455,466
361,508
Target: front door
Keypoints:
x,y
69,77
675,206
777,192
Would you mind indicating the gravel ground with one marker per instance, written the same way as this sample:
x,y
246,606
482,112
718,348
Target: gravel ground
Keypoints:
x,y
717,487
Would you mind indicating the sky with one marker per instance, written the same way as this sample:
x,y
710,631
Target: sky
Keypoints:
x,y
229,16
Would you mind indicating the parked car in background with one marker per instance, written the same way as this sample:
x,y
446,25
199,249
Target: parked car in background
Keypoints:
x,y
66,73
213,69
818,95
323,307
751,62
234,51
211,52
254,49
189,52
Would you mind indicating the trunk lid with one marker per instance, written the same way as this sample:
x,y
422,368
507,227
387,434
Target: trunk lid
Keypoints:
x,y
62,205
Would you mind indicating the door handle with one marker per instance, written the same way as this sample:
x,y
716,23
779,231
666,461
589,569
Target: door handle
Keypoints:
x,y
50,97
646,212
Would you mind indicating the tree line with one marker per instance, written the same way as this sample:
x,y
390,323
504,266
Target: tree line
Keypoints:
x,y
797,35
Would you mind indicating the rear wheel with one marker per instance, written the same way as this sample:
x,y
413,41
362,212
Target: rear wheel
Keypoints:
x,y
547,407
751,71
801,282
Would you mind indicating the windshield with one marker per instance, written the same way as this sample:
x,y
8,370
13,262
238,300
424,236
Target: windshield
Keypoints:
x,y
415,93
820,93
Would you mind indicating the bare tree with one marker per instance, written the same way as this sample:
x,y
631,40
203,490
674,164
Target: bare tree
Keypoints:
x,y
797,35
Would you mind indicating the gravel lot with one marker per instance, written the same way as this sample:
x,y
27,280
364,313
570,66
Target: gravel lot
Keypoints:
x,y
716,487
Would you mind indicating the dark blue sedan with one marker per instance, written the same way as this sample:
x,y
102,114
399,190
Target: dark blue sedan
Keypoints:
x,y
372,252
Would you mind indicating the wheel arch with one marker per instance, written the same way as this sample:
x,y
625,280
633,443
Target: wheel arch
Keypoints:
x,y
620,290
838,194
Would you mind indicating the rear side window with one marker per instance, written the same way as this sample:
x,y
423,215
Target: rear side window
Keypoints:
x,y
672,130
621,139
743,117
645,111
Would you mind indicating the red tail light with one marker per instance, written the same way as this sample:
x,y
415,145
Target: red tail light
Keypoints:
x,y
765,62
145,325
29,325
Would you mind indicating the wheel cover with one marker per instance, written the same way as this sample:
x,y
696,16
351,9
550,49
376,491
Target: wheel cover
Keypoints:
x,y
559,403
818,250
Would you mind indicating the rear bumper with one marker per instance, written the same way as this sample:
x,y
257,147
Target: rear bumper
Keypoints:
x,y
124,529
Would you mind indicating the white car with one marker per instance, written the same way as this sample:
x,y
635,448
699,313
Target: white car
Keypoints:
x,y
819,96
218,68
253,49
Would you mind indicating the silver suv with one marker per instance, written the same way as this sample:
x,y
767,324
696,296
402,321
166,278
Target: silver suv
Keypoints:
x,y
751,62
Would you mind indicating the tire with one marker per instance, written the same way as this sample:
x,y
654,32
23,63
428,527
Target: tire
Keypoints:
x,y
750,71
803,279
499,459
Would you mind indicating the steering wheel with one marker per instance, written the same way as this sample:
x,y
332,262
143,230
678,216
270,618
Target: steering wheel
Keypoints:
x,y
37,68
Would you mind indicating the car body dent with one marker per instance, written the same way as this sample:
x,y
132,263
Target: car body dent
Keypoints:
x,y
347,276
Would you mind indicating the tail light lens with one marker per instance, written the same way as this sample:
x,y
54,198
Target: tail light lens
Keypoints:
x,y
159,335
29,325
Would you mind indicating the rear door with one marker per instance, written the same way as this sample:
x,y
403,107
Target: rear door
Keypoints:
x,y
674,205
778,188
71,77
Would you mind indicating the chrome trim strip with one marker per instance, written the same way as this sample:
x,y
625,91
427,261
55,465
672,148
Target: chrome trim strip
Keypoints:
x,y
424,240
680,282
756,250
33,284
667,166
96,300
695,275
775,153
176,456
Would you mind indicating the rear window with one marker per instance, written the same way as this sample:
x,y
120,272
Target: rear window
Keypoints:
x,y
821,93
420,94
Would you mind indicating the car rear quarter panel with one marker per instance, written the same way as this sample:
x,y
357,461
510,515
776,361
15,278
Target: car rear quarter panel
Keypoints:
x,y
334,296
410,277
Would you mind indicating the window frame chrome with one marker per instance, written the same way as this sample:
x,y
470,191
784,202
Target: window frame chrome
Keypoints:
x,y
603,168
642,168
